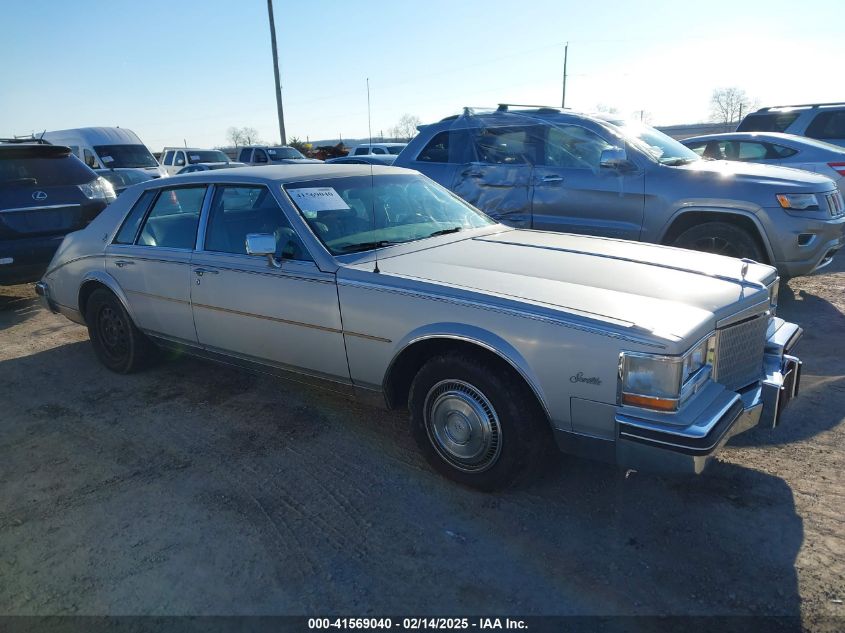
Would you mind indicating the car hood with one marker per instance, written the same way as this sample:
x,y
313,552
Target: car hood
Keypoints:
x,y
657,291
783,179
296,161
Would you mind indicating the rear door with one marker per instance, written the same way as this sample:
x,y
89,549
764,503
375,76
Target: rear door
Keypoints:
x,y
151,260
572,193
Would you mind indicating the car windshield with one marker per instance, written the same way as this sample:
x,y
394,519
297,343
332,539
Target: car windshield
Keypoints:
x,y
394,150
284,153
207,156
661,147
361,213
125,156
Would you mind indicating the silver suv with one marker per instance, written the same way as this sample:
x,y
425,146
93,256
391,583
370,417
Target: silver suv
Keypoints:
x,y
822,121
552,169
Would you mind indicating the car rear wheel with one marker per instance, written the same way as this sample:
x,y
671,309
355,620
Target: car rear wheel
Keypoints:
x,y
477,423
721,238
119,345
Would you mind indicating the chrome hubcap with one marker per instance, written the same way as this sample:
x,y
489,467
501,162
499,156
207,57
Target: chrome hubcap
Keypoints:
x,y
462,425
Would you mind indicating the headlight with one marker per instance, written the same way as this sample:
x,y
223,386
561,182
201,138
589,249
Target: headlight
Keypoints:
x,y
798,201
664,383
99,189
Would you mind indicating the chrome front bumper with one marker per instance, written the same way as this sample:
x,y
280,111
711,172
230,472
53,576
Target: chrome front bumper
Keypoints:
x,y
660,442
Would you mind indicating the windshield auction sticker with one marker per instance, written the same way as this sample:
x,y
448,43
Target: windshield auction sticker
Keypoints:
x,y
317,199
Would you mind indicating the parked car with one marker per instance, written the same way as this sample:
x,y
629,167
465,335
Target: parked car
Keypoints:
x,y
45,193
121,179
774,148
175,159
377,149
377,282
552,169
369,159
268,155
822,121
112,148
190,169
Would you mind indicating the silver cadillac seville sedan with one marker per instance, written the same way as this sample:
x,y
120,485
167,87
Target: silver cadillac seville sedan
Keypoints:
x,y
378,283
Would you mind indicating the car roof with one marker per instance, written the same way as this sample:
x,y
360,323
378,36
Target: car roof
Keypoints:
x,y
97,135
32,150
284,174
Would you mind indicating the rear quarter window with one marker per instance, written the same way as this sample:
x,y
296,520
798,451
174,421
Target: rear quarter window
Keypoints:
x,y
129,230
44,172
828,125
767,122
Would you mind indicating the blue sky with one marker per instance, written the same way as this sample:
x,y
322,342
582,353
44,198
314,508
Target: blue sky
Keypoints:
x,y
187,70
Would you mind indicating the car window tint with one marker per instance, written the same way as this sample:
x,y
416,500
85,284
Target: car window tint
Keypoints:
x,y
698,148
378,150
751,151
168,158
47,171
781,151
179,158
574,147
173,220
767,122
360,151
127,232
237,211
243,157
259,156
507,145
828,125
89,159
437,150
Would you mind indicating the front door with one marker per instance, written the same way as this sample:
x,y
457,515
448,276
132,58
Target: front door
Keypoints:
x,y
151,260
287,316
573,194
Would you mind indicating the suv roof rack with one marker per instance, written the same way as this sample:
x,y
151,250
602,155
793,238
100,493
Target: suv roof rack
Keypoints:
x,y
503,107
802,105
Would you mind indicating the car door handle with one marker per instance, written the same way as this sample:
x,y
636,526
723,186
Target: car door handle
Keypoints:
x,y
547,179
120,263
472,174
205,271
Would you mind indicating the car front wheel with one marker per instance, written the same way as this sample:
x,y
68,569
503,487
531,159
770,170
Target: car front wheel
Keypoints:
x,y
477,423
721,238
119,345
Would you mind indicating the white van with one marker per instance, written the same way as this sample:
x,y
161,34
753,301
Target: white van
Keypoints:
x,y
108,148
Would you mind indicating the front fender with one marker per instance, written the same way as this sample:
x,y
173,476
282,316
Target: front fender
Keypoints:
x,y
476,336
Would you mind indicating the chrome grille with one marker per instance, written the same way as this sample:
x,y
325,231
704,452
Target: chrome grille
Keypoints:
x,y
739,352
835,203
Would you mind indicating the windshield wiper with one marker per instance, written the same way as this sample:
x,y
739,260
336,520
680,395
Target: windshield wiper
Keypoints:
x,y
365,246
18,182
454,229
674,162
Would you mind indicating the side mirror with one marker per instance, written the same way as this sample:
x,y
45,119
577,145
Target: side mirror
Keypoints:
x,y
262,245
613,158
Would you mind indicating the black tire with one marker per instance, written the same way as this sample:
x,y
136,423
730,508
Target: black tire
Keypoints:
x,y
721,238
521,437
119,345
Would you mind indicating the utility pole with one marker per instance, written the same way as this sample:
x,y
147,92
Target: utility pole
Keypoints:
x,y
283,139
565,55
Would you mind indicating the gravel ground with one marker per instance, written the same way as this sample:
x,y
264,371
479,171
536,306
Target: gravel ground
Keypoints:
x,y
196,489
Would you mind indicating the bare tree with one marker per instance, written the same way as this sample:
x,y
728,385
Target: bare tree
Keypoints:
x,y
235,136
242,136
406,128
727,105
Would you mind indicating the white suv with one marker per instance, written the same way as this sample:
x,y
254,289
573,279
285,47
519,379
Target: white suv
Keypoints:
x,y
382,149
822,121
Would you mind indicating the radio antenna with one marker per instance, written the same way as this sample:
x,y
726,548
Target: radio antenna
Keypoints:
x,y
372,178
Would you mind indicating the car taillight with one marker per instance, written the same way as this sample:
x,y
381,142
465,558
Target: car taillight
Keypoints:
x,y
839,168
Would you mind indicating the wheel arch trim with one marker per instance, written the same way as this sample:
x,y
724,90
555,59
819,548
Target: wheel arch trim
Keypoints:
x,y
723,211
479,337
105,279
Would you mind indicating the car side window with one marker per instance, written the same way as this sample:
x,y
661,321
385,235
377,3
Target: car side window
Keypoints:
x,y
89,159
752,151
828,125
573,147
259,156
361,151
129,230
378,150
179,159
698,148
173,220
507,145
781,151
437,150
168,158
237,211
243,157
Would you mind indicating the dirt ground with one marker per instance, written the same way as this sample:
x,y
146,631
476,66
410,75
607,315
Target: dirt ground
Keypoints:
x,y
195,489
